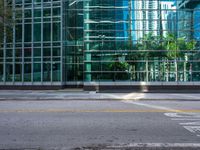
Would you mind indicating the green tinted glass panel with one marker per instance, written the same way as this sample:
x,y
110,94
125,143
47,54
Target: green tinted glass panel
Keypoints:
x,y
37,12
37,52
56,11
9,72
46,31
18,33
27,13
37,72
27,32
46,72
37,32
56,72
18,72
56,51
56,31
27,72
1,72
47,12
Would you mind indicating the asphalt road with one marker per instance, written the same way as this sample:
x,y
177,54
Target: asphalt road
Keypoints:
x,y
114,124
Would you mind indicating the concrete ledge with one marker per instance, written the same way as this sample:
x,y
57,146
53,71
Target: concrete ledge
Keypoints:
x,y
72,86
143,88
179,88
31,87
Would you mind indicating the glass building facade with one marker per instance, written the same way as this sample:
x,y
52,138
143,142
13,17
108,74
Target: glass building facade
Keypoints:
x,y
34,54
102,42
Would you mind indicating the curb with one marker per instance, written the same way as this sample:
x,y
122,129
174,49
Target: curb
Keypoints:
x,y
95,99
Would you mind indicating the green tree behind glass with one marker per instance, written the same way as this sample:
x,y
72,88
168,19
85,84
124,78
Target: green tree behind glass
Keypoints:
x,y
6,21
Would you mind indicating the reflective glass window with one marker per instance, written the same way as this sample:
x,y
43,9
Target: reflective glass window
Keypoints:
x,y
9,72
56,32
46,31
56,72
27,72
37,72
18,72
27,32
27,13
47,12
37,32
1,72
37,12
56,11
46,71
18,33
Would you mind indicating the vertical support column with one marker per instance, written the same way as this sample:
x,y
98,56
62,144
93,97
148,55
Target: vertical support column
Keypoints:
x,y
175,62
32,36
4,47
13,37
176,69
87,38
22,41
51,68
62,40
167,70
147,71
185,70
42,41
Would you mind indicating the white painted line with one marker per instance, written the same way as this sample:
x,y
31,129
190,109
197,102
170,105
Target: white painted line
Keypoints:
x,y
183,115
196,123
192,129
146,145
136,96
150,106
180,115
185,119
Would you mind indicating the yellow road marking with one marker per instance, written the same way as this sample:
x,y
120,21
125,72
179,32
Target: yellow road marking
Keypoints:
x,y
95,111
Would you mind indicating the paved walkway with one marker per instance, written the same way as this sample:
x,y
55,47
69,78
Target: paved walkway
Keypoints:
x,y
83,95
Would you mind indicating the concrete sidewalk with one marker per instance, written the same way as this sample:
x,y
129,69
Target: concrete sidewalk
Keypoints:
x,y
83,95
